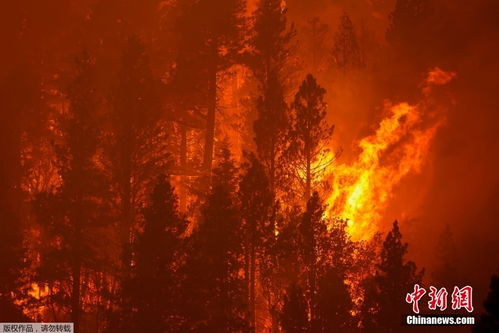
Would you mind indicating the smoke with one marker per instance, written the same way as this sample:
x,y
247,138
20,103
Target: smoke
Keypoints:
x,y
458,183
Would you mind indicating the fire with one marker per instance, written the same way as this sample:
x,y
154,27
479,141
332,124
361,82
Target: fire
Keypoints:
x,y
399,147
38,291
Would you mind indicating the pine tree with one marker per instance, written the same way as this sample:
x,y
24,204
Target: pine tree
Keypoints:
x,y
19,94
489,321
269,63
294,316
256,202
11,261
446,273
316,42
270,130
214,291
314,245
334,305
309,134
153,288
270,42
386,291
212,37
72,217
407,21
135,111
346,50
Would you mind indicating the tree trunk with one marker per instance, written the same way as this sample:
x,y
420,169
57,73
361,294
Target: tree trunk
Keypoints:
x,y
182,198
211,115
76,285
126,194
308,180
253,286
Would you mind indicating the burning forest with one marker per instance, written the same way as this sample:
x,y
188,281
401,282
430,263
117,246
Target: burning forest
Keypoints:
x,y
249,166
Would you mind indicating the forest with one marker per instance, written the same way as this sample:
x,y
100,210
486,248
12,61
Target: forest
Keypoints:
x,y
247,166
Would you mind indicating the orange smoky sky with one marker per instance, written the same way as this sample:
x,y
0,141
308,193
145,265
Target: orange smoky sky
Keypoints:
x,y
416,115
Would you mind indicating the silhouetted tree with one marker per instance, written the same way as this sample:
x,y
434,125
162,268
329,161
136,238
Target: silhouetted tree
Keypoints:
x,y
19,96
294,316
11,261
384,301
414,27
309,133
489,321
446,259
316,43
346,50
212,37
407,21
270,41
256,201
334,305
135,109
314,245
281,267
214,289
72,217
270,129
153,288
269,63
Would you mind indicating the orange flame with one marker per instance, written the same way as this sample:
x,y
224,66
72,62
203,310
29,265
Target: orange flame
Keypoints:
x,y
399,147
